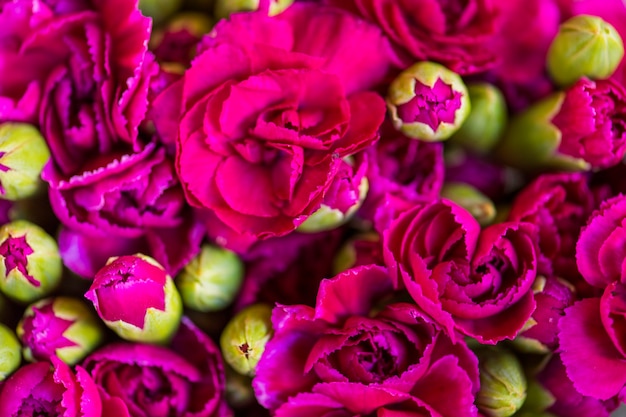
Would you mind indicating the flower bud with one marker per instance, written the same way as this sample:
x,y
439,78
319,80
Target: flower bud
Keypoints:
x,y
585,46
30,264
244,337
62,326
428,101
343,199
10,356
531,141
159,10
23,154
224,8
486,121
137,299
472,200
211,280
502,382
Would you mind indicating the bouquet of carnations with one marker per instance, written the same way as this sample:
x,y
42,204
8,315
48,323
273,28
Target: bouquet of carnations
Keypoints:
x,y
290,208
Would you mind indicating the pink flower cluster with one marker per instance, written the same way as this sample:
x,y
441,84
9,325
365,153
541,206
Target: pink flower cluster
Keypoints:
x,y
274,135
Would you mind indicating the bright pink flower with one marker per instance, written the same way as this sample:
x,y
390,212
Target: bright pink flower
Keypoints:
x,y
270,106
468,280
50,390
601,247
592,121
140,380
349,355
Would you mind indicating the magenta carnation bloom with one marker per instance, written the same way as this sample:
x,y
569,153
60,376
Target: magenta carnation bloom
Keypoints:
x,y
42,389
601,247
559,205
468,280
569,402
454,33
270,106
593,343
123,204
592,121
82,74
345,356
138,380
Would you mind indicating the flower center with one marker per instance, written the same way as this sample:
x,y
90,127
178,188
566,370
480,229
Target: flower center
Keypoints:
x,y
431,105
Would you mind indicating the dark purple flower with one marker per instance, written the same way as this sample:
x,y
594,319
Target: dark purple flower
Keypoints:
x,y
402,166
140,380
455,33
468,280
348,357
288,269
42,389
559,205
123,204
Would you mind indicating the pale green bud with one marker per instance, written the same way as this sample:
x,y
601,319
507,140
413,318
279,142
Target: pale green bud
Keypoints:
x,y
10,356
211,280
30,264
224,8
476,203
486,121
502,382
428,101
159,10
585,46
245,336
23,154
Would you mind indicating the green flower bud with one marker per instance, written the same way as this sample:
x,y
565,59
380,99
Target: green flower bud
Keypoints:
x,y
224,8
137,299
538,400
244,337
531,141
428,101
159,10
585,46
486,121
468,197
211,280
10,356
502,382
62,326
23,154
30,264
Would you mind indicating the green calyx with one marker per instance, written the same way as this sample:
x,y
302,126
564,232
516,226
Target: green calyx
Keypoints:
x,y
245,336
10,356
503,386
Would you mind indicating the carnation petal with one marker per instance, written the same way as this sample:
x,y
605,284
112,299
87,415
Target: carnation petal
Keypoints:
x,y
584,341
